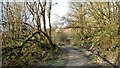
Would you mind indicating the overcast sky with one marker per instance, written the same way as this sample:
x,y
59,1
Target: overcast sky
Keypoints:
x,y
59,9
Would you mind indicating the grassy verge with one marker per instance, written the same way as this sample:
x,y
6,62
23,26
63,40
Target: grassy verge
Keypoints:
x,y
58,60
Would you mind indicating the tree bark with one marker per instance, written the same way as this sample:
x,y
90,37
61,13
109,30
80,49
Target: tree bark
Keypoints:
x,y
49,14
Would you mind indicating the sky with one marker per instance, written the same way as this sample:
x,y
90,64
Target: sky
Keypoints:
x,y
59,10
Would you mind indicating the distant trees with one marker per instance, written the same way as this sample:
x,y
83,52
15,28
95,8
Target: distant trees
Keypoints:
x,y
96,25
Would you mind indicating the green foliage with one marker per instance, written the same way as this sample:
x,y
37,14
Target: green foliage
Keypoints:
x,y
23,43
97,26
33,52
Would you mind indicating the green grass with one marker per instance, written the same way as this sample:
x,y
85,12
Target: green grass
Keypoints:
x,y
58,60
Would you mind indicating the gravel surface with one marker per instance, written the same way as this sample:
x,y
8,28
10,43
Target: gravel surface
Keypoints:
x,y
76,57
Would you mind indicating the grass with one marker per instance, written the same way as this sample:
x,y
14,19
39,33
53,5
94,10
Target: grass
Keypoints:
x,y
58,60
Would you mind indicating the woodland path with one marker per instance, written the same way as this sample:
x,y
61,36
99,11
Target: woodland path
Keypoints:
x,y
75,57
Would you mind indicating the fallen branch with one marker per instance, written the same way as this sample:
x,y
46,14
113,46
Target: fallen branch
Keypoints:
x,y
9,49
49,39
28,38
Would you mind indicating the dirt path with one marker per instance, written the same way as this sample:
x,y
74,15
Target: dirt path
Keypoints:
x,y
76,58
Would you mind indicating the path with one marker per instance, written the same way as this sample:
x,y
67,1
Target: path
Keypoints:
x,y
76,57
